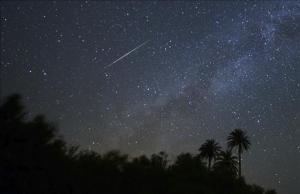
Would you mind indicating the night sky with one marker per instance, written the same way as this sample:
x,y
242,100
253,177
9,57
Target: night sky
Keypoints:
x,y
146,76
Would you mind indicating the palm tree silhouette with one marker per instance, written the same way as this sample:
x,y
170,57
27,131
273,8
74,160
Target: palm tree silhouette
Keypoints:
x,y
209,150
227,162
238,139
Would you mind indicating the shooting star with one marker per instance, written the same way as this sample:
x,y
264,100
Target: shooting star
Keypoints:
x,y
126,54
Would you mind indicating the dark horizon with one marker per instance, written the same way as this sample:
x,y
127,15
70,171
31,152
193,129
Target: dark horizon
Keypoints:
x,y
144,77
34,160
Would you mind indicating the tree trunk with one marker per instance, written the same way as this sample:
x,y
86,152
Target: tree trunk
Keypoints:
x,y
209,163
240,162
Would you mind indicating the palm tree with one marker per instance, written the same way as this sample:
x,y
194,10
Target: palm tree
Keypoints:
x,y
226,162
238,139
209,150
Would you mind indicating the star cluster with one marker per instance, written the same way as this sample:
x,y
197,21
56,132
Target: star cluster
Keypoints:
x,y
207,68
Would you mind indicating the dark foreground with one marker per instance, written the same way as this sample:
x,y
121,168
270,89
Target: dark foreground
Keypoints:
x,y
33,160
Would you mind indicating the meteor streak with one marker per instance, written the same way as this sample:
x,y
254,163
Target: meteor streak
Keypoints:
x,y
126,54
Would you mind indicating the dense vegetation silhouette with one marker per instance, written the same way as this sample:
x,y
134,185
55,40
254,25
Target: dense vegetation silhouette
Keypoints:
x,y
34,160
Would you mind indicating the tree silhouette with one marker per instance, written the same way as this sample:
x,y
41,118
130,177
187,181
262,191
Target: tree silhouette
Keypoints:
x,y
238,139
209,150
34,160
227,163
31,153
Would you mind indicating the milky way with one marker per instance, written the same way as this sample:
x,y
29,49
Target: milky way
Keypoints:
x,y
208,68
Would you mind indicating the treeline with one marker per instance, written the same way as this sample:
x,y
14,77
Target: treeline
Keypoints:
x,y
34,160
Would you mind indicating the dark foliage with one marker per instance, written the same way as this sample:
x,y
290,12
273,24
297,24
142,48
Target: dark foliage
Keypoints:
x,y
33,160
209,150
238,139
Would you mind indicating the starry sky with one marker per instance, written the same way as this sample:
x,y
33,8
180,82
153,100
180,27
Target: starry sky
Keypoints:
x,y
148,76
